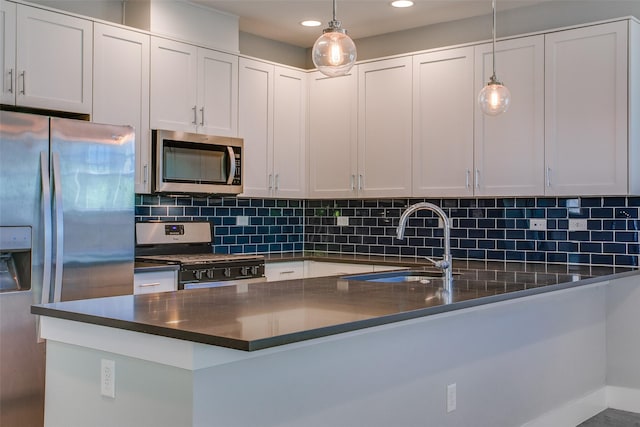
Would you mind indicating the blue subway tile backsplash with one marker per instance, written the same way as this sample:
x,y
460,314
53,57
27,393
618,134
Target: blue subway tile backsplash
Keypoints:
x,y
492,229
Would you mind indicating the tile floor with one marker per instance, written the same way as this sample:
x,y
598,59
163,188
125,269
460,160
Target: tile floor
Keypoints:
x,y
613,418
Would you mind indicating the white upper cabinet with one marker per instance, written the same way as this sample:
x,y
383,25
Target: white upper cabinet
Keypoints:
x,y
217,93
173,85
8,56
586,110
443,106
333,144
193,89
272,122
52,55
255,125
290,133
384,128
121,89
509,148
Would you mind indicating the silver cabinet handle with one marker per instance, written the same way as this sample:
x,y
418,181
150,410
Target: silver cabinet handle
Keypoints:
x,y
145,173
467,176
11,80
147,285
360,182
287,272
46,212
277,181
202,115
353,182
57,191
477,178
24,83
270,182
548,177
195,115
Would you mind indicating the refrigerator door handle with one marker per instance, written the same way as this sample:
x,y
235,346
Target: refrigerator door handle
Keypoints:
x,y
57,192
46,213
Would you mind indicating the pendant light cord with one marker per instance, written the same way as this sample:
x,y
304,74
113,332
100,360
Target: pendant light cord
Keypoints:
x,y
493,6
334,9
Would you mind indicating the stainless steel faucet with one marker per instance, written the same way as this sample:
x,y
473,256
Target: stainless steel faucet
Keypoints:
x,y
446,263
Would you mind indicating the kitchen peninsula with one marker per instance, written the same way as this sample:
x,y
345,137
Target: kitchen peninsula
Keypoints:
x,y
338,351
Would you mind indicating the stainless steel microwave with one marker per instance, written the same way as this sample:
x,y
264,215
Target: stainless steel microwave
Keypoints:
x,y
188,163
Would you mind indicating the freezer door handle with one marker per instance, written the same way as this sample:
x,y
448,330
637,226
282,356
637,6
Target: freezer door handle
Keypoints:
x,y
57,192
46,213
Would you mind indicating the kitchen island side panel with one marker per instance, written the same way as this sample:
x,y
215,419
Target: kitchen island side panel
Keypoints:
x,y
511,362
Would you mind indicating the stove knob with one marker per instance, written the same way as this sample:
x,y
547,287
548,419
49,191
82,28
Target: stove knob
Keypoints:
x,y
227,272
210,273
254,270
198,274
244,271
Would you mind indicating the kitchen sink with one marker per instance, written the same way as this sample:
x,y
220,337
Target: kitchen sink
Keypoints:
x,y
421,276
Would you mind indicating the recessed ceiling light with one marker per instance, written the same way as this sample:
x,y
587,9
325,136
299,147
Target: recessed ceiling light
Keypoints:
x,y
310,23
402,3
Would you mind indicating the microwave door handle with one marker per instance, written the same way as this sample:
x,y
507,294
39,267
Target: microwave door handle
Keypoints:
x,y
232,165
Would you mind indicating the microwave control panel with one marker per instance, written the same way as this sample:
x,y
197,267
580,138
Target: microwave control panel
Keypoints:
x,y
237,177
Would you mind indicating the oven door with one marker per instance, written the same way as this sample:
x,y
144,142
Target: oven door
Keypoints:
x,y
187,163
238,282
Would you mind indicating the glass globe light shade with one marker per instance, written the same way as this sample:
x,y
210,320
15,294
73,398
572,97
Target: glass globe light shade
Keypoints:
x,y
334,53
494,98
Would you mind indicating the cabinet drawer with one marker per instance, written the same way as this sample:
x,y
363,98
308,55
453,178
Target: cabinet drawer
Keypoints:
x,y
284,270
155,281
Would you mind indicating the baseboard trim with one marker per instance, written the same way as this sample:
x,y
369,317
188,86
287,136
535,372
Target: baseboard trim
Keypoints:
x,y
625,399
573,413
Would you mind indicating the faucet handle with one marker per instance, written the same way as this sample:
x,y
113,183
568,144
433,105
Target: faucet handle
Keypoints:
x,y
442,264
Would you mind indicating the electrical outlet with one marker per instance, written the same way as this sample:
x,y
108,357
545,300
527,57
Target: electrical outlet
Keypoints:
x,y
342,220
108,378
242,220
537,224
451,397
577,224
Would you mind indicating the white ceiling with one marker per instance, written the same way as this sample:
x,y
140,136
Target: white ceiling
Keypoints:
x,y
280,19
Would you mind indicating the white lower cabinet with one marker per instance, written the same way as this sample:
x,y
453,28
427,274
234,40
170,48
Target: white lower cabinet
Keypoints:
x,y
155,281
323,269
286,270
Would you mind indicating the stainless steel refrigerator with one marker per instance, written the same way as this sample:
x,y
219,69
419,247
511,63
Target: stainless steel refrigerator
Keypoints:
x,y
66,232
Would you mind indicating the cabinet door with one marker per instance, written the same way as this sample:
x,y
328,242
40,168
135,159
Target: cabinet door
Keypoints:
x,y
173,85
290,133
217,93
586,110
509,148
288,270
384,128
53,56
8,54
121,89
255,125
443,107
333,145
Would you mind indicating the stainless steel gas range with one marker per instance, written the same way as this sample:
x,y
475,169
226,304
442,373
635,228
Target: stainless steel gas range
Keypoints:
x,y
189,245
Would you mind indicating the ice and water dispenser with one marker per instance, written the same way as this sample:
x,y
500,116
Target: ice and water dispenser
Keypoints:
x,y
15,259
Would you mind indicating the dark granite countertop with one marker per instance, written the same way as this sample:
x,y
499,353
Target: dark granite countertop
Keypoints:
x,y
263,315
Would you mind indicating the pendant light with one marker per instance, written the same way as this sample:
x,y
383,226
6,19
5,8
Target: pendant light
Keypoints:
x,y
334,53
494,98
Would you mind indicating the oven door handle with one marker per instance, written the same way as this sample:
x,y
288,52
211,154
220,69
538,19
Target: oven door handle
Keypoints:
x,y
231,165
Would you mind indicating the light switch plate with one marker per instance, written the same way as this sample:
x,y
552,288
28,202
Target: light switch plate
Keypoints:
x,y
342,220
